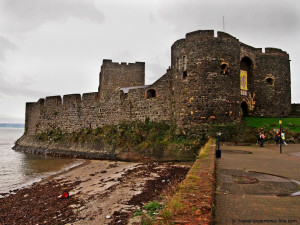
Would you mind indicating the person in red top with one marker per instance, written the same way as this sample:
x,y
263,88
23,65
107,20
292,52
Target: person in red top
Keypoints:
x,y
278,137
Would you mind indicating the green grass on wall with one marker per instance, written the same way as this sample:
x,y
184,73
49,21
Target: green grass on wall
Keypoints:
x,y
292,124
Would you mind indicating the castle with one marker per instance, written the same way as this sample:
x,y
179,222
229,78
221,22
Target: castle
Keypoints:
x,y
211,79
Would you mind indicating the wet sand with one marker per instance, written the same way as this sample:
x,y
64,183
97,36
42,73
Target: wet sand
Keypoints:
x,y
101,192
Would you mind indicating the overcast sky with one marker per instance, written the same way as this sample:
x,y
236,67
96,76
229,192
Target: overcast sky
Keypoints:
x,y
56,47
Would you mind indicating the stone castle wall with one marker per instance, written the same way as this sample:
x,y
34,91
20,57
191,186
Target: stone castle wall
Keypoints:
x,y
201,86
74,112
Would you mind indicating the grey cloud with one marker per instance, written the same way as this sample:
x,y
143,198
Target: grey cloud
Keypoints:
x,y
21,16
18,89
5,45
249,16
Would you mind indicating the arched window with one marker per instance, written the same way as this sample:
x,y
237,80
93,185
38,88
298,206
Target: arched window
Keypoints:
x,y
151,93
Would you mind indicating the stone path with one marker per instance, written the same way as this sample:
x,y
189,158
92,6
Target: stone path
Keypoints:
x,y
254,185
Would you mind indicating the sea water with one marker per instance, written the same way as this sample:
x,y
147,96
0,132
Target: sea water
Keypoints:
x,y
18,169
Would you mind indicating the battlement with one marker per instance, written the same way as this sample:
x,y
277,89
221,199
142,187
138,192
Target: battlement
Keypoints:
x,y
53,100
223,35
178,44
30,105
71,99
90,97
200,34
41,101
275,51
109,64
250,48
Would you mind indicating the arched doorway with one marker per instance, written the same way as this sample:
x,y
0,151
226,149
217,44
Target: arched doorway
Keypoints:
x,y
245,109
246,76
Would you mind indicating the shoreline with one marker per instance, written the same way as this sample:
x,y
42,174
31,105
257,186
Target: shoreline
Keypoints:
x,y
101,192
43,177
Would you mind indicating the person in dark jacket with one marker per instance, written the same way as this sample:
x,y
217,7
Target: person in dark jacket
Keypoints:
x,y
261,139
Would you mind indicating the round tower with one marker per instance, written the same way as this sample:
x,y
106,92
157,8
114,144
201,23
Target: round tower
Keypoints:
x,y
272,83
206,80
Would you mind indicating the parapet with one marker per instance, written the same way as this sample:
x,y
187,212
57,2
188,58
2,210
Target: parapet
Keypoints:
x,y
30,105
224,35
250,48
72,99
178,44
90,97
275,51
203,35
200,34
41,101
108,63
53,100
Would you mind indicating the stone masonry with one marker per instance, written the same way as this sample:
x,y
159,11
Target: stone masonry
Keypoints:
x,y
211,79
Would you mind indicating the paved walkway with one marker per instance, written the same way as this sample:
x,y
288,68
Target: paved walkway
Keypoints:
x,y
254,185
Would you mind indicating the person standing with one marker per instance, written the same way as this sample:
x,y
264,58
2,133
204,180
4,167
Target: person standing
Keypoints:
x,y
261,139
278,137
283,138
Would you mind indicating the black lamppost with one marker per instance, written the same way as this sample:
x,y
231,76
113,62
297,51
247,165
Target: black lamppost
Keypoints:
x,y
218,150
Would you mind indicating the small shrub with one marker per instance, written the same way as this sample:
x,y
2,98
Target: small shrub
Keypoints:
x,y
166,214
138,213
153,207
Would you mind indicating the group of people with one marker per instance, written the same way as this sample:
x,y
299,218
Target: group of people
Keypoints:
x,y
280,138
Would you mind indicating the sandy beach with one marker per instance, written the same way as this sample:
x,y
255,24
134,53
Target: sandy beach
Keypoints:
x,y
101,192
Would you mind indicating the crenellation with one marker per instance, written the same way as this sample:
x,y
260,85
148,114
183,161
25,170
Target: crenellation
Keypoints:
x,y
90,97
223,35
53,101
200,34
202,85
72,99
41,101
275,51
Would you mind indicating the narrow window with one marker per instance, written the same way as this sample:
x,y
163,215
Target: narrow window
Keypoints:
x,y
123,95
224,68
177,64
184,74
270,81
151,93
184,63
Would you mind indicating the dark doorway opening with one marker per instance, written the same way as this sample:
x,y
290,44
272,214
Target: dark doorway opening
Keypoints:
x,y
244,106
